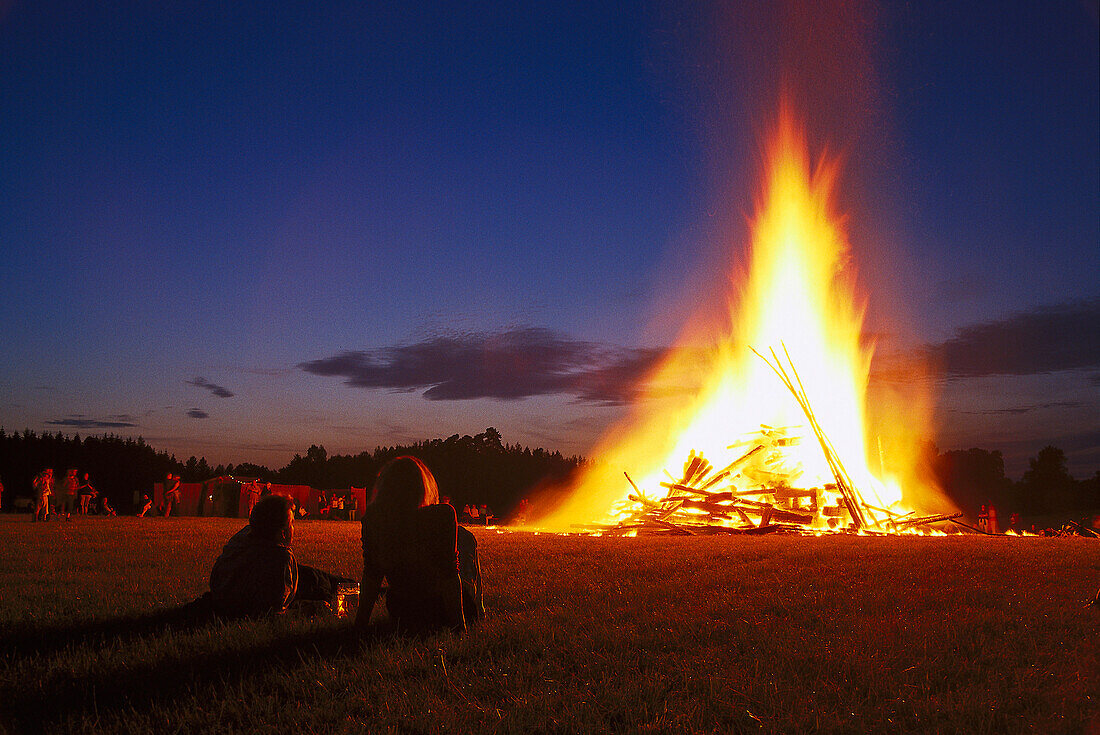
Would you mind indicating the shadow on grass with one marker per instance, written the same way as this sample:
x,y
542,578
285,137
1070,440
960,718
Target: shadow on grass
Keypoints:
x,y
64,697
32,641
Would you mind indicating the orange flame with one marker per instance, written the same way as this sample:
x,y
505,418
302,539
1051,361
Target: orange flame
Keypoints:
x,y
800,293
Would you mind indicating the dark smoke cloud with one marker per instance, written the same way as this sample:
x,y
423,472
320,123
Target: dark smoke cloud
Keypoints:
x,y
506,366
198,413
1043,340
217,390
79,422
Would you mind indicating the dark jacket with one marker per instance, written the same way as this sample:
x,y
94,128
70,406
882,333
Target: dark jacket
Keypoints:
x,y
253,577
417,552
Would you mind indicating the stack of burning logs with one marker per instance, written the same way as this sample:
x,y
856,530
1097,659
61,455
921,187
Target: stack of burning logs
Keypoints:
x,y
754,494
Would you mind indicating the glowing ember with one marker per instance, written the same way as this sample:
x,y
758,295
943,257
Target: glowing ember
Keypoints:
x,y
752,456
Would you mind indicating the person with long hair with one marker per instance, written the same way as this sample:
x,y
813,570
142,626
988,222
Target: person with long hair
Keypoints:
x,y
415,543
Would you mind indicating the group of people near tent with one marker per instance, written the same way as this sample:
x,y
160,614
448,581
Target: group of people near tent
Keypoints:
x,y
410,541
337,507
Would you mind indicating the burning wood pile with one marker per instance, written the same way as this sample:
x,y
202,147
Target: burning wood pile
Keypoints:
x,y
758,493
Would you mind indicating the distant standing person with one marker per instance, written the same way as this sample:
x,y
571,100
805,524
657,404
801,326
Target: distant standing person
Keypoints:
x,y
253,489
43,488
87,492
171,493
69,488
417,545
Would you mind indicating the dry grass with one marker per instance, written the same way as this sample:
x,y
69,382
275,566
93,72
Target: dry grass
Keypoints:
x,y
766,634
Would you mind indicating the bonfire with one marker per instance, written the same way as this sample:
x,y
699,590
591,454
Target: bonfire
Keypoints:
x,y
776,440
758,492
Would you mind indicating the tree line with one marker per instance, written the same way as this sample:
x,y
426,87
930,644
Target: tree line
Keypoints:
x,y
484,469
976,477
469,469
118,466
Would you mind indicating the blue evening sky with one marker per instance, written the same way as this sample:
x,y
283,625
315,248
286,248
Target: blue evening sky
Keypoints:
x,y
237,229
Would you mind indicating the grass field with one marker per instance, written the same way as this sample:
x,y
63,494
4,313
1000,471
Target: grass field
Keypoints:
x,y
764,634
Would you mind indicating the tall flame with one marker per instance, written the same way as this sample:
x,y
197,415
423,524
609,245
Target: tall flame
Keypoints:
x,y
799,293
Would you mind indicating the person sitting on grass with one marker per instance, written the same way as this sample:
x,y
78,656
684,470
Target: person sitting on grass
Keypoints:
x,y
106,508
146,505
417,545
257,574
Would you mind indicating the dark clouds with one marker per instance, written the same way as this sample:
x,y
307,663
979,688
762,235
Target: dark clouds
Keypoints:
x,y
198,413
78,421
217,390
1044,340
507,366
1020,410
521,363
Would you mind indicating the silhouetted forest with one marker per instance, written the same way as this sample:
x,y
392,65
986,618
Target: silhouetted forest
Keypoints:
x,y
976,477
483,469
117,466
470,469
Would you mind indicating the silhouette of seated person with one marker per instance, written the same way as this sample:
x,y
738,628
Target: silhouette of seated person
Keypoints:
x,y
146,506
415,544
257,574
106,508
